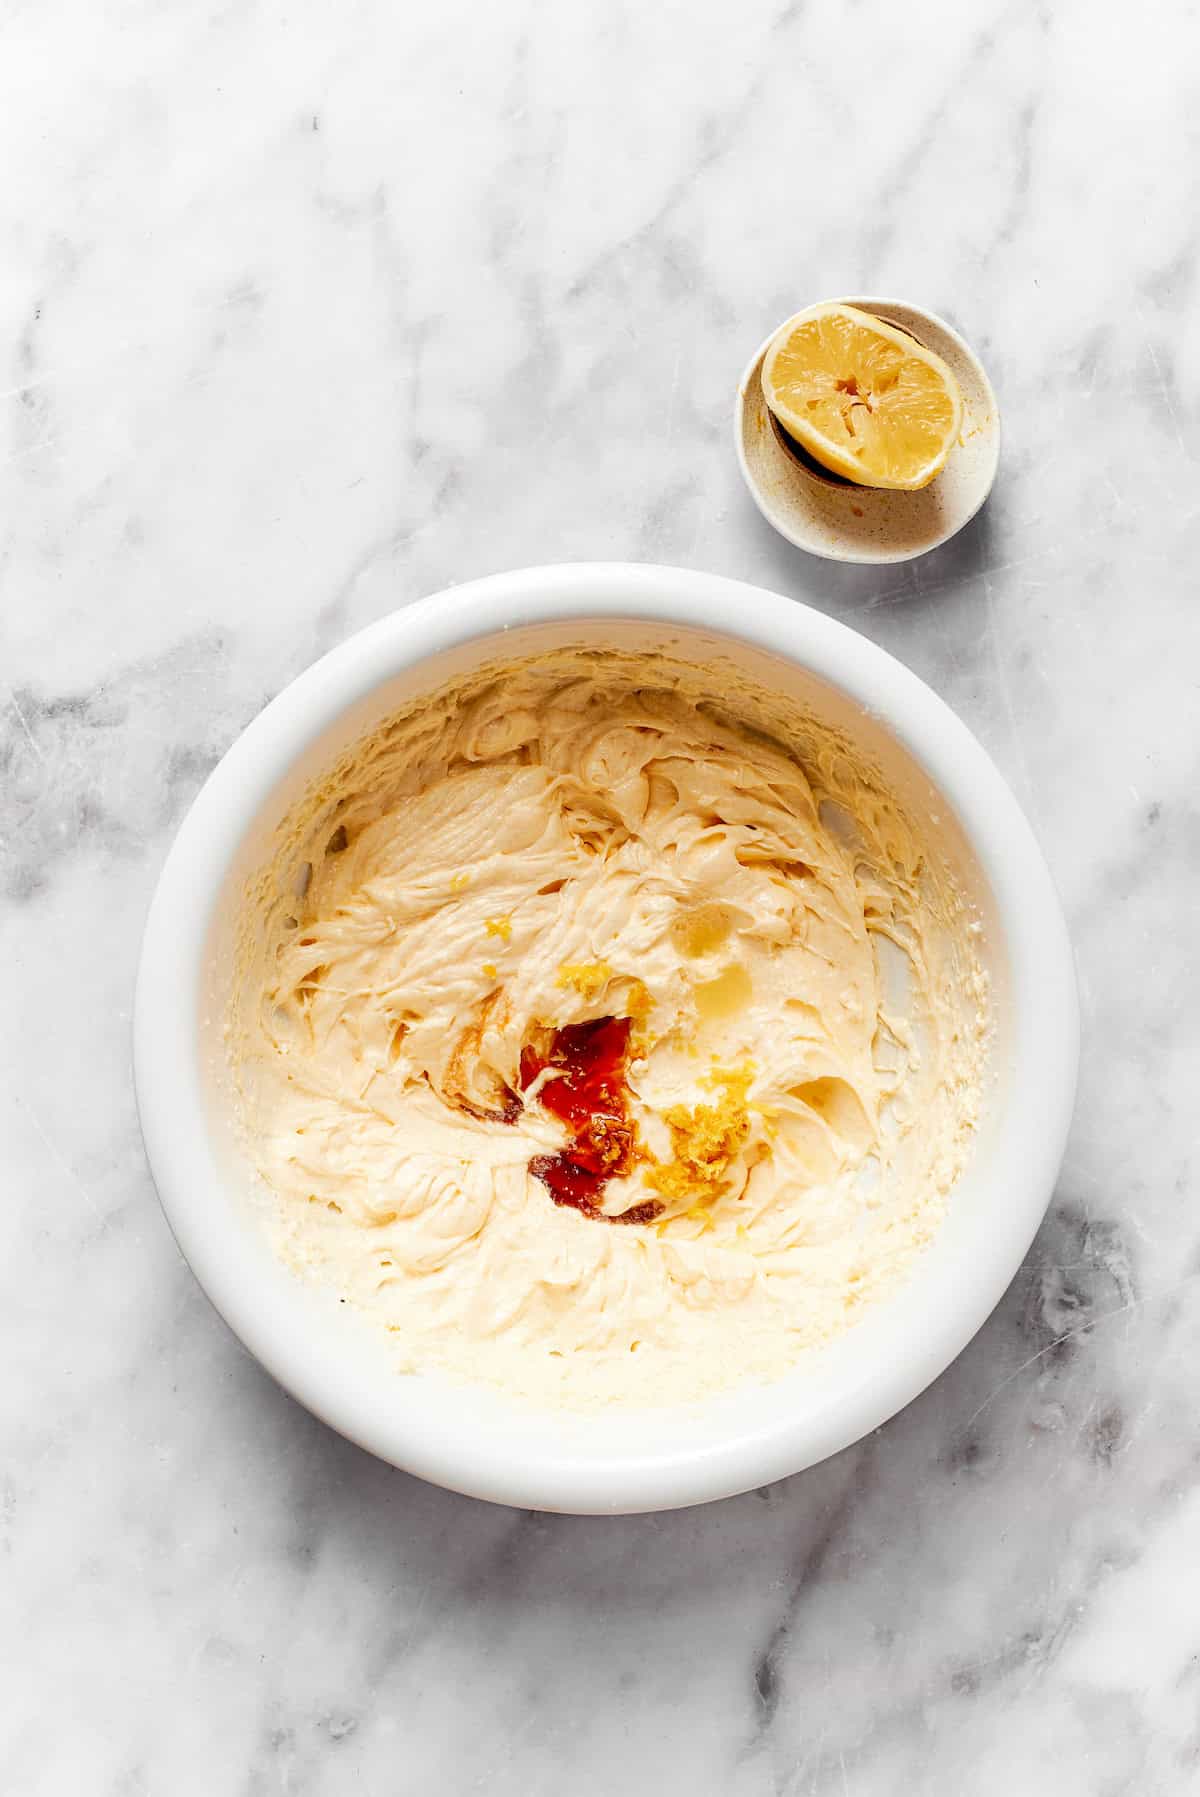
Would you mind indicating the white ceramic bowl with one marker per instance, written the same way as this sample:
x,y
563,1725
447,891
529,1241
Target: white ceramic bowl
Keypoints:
x,y
472,1439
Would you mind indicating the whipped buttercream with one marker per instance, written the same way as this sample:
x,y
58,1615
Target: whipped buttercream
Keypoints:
x,y
580,837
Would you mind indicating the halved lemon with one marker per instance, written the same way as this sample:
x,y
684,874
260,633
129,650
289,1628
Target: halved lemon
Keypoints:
x,y
865,399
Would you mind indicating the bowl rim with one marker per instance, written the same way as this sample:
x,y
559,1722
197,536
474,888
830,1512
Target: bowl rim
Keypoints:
x,y
1032,1130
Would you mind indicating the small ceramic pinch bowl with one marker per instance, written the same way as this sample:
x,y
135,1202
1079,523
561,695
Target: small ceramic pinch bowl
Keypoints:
x,y
477,1439
834,518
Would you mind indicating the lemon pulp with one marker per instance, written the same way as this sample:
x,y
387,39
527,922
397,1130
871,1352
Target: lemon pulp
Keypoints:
x,y
864,398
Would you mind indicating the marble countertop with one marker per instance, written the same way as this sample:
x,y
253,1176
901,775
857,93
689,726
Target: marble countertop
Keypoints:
x,y
310,310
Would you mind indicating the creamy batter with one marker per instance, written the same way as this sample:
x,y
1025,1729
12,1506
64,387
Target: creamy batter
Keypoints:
x,y
792,972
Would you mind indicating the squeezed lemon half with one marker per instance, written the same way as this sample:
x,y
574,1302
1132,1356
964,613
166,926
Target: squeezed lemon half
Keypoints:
x,y
865,399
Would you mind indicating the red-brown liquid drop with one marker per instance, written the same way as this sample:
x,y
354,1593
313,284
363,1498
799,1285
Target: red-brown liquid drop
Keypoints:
x,y
590,1095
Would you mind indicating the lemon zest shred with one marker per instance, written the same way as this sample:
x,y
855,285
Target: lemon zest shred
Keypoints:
x,y
589,978
706,1138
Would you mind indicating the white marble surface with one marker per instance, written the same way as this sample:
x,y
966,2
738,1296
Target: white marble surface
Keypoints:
x,y
306,310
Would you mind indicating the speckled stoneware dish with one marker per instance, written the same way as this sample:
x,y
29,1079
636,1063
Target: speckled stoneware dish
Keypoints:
x,y
832,517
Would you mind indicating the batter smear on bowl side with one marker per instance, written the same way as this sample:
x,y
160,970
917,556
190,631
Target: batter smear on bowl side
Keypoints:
x,y
618,1045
